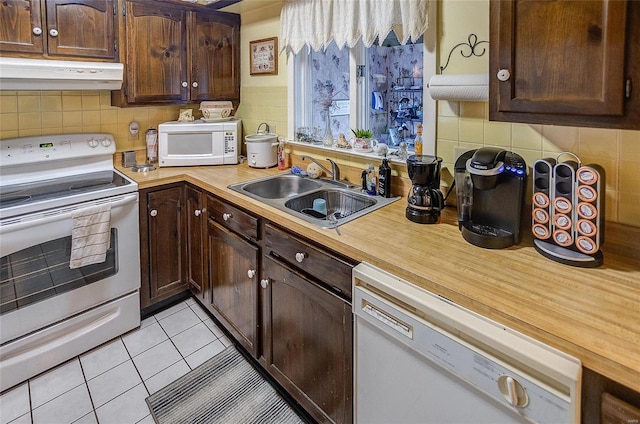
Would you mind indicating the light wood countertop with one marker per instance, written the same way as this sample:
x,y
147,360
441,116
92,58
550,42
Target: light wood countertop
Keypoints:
x,y
593,314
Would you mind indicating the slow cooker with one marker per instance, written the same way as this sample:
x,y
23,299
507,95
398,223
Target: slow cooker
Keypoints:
x,y
262,150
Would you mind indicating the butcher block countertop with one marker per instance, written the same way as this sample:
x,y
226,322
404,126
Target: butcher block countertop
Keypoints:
x,y
593,314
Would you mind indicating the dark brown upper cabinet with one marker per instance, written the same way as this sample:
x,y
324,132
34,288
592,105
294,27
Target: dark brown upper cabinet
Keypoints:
x,y
58,29
565,62
178,55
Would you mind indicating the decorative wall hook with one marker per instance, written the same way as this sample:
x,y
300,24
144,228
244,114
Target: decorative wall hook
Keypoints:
x,y
472,43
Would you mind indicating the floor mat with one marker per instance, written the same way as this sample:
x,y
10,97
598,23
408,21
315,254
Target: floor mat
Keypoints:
x,y
225,389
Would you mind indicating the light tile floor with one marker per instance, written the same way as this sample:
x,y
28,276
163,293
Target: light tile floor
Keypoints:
x,y
109,384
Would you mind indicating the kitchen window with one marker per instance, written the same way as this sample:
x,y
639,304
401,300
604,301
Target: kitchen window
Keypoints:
x,y
384,94
381,88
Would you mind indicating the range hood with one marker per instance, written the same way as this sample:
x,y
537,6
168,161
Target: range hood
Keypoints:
x,y
39,74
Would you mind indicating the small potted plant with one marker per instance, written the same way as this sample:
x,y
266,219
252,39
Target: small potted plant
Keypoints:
x,y
363,141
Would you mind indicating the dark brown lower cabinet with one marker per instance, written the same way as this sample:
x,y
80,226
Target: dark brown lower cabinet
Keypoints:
x,y
233,271
605,401
308,341
162,244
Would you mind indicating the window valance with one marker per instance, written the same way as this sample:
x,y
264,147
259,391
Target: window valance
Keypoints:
x,y
315,23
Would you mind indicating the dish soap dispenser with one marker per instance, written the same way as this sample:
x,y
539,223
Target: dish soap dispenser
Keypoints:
x,y
370,180
384,178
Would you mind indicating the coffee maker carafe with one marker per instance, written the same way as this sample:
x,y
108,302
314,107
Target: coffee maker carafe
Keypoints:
x,y
490,186
425,200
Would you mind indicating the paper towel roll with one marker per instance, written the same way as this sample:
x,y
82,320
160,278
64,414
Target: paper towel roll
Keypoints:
x,y
465,87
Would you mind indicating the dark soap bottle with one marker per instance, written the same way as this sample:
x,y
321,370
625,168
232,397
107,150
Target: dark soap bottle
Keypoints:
x,y
384,179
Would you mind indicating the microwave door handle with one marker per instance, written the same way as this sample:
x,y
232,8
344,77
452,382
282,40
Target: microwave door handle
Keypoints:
x,y
61,216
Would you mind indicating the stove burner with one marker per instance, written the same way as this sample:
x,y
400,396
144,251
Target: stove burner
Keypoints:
x,y
10,200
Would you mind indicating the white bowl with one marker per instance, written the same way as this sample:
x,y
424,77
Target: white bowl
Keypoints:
x,y
216,113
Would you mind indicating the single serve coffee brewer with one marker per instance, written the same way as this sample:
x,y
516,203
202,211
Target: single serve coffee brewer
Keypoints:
x,y
490,187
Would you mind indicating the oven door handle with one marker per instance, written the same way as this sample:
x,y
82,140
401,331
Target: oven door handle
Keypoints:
x,y
60,214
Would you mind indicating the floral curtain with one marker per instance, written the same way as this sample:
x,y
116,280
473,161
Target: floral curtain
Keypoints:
x,y
315,23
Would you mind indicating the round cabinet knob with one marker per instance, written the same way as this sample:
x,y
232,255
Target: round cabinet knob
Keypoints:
x,y
185,84
264,283
251,273
153,212
226,216
197,212
195,84
53,32
503,75
93,143
300,257
513,391
106,142
37,31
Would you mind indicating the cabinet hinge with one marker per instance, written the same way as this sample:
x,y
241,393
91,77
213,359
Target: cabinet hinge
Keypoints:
x,y
627,89
124,13
115,46
115,8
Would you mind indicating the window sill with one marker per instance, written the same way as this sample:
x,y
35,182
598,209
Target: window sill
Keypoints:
x,y
350,152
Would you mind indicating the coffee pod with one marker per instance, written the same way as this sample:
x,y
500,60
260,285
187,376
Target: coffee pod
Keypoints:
x,y
586,227
587,211
586,245
540,231
562,204
562,237
562,221
540,199
587,193
540,215
587,176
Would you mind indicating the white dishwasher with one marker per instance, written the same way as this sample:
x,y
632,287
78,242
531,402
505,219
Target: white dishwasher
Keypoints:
x,y
420,358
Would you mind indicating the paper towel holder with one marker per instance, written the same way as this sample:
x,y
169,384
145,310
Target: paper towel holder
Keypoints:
x,y
472,43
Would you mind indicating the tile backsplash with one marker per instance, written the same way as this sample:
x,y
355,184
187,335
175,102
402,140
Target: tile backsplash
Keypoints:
x,y
31,113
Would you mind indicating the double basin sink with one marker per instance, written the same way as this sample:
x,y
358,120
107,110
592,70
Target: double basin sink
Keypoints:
x,y
325,203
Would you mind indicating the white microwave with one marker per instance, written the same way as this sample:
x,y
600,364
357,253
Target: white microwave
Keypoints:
x,y
199,143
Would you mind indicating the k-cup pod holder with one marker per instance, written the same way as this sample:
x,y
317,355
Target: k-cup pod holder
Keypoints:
x,y
568,210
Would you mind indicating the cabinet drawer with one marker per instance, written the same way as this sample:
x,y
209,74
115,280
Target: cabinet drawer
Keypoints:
x,y
615,410
233,218
314,261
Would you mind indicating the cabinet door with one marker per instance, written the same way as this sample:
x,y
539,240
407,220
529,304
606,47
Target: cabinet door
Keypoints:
x,y
308,342
233,270
156,54
22,28
196,226
564,57
166,242
215,66
81,28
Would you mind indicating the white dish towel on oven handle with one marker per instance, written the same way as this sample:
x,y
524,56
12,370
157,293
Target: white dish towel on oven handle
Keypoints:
x,y
91,235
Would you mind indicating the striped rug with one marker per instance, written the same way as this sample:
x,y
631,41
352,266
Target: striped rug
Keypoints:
x,y
225,389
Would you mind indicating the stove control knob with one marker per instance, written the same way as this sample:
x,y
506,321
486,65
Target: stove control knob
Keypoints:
x,y
93,143
106,142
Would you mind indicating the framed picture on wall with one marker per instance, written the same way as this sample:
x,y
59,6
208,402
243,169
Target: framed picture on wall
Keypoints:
x,y
263,56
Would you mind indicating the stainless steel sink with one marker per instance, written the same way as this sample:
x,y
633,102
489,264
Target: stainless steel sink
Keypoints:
x,y
295,195
280,186
339,202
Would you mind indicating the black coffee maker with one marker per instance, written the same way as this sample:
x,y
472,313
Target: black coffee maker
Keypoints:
x,y
425,200
490,187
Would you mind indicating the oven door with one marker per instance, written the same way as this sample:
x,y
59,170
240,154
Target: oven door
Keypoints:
x,y
38,287
186,148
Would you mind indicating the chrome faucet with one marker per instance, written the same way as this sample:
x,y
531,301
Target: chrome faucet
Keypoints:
x,y
335,171
266,127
